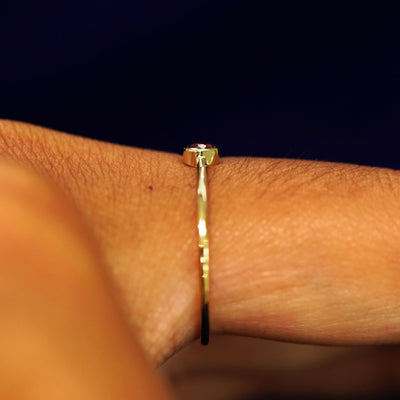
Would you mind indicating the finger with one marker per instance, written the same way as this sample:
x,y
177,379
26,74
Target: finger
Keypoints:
x,y
62,333
300,251
313,252
131,201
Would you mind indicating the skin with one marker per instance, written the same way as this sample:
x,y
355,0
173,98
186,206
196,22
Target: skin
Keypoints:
x,y
301,251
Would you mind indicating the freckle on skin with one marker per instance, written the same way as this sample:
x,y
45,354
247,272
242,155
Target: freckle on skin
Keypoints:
x,y
150,187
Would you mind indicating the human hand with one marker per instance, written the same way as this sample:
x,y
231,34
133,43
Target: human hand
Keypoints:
x,y
301,251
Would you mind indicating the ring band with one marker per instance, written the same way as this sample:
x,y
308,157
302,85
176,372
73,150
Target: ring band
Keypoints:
x,y
202,155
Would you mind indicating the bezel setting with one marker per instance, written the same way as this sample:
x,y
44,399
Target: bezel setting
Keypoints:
x,y
193,152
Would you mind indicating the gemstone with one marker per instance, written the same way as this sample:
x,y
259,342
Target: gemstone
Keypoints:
x,y
201,146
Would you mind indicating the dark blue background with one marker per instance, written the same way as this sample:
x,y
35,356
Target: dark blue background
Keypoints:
x,y
316,82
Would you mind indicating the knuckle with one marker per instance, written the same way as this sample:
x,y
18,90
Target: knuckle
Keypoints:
x,y
79,167
388,180
57,155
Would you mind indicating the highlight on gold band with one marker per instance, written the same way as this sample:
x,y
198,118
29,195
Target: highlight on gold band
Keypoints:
x,y
202,155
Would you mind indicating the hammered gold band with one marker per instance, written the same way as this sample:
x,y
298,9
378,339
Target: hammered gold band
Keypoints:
x,y
201,156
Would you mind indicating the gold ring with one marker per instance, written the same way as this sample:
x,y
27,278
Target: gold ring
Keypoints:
x,y
201,155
